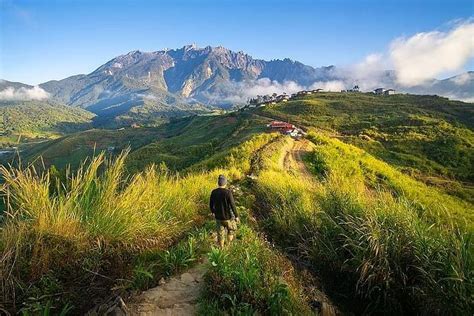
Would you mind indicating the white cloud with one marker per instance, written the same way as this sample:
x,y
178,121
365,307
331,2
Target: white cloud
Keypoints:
x,y
266,86
240,92
22,94
461,79
334,85
372,63
428,54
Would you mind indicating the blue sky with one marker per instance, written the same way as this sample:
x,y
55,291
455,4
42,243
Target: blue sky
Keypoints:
x,y
43,40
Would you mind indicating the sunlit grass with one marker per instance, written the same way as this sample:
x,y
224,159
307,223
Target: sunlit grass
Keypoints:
x,y
97,219
248,278
393,241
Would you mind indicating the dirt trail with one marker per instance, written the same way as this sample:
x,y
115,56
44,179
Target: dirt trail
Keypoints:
x,y
293,159
176,297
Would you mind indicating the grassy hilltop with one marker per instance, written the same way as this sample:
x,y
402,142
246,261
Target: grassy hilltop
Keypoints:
x,y
428,137
370,213
21,121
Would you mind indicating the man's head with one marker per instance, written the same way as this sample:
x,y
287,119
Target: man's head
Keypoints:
x,y
221,181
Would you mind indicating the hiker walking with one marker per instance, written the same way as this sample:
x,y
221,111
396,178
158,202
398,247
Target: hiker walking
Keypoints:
x,y
223,209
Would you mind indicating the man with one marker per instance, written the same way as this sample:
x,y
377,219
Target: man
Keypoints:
x,y
223,208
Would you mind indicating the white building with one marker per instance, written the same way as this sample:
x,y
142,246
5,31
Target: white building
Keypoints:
x,y
382,91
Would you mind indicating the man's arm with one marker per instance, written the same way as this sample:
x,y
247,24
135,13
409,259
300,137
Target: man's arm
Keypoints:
x,y
212,203
232,204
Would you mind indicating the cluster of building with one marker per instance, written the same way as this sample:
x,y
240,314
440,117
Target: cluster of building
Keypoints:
x,y
263,100
305,92
355,89
286,128
269,99
382,91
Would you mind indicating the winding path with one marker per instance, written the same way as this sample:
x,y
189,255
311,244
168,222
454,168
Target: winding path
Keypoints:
x,y
177,296
293,159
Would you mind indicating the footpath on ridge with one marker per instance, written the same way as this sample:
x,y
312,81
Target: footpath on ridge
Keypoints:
x,y
179,295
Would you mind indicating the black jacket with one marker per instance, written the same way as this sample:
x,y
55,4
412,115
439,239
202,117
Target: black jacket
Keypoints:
x,y
222,204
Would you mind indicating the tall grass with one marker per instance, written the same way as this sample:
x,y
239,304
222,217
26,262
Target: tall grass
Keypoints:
x,y
237,158
369,236
96,209
251,278
361,169
85,229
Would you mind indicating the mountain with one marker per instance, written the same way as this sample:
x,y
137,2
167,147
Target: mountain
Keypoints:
x,y
5,84
457,87
153,86
174,79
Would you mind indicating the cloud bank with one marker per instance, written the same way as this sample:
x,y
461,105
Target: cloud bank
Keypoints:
x,y
23,94
333,85
240,92
415,61
426,55
461,79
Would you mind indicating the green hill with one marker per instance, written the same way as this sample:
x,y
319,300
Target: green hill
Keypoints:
x,y
22,121
179,143
340,218
428,137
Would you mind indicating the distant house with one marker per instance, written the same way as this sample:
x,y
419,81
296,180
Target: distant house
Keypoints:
x,y
302,93
281,126
286,128
379,91
355,89
382,91
317,90
135,125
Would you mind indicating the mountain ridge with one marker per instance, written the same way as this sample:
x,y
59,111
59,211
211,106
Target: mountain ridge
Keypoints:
x,y
189,79
176,76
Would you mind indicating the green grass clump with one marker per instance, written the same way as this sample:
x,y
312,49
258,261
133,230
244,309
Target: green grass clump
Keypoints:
x,y
249,277
153,264
238,157
376,234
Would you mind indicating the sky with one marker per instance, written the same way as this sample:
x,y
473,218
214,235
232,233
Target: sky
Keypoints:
x,y
46,40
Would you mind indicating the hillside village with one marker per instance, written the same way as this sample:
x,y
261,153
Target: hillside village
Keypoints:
x,y
263,100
